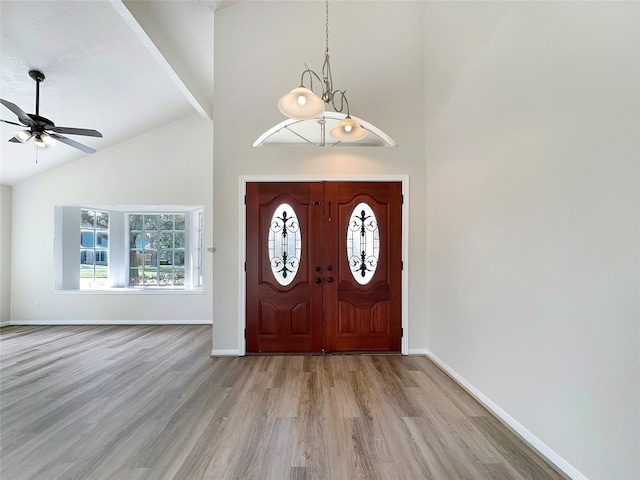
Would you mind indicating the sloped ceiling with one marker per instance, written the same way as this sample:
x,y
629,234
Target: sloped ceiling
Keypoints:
x,y
125,67
122,68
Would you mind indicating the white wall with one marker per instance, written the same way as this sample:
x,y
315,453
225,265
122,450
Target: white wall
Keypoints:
x,y
168,166
5,254
533,240
260,52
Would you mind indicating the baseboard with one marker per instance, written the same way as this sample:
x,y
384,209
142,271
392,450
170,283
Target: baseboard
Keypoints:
x,y
225,353
543,449
418,351
110,322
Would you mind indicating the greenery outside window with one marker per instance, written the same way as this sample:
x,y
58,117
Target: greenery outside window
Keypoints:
x,y
94,249
156,249
129,247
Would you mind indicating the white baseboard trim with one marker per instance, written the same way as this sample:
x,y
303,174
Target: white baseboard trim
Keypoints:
x,y
225,353
520,430
111,322
418,351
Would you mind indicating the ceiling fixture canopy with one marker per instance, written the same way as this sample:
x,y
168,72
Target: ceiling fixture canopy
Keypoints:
x,y
44,130
302,103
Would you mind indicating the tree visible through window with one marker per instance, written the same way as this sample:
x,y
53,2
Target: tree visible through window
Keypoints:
x,y
94,248
139,247
157,249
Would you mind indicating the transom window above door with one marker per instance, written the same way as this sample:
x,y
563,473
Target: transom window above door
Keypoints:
x,y
314,133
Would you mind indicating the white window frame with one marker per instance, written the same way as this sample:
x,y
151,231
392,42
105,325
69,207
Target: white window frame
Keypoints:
x,y
95,249
67,246
188,265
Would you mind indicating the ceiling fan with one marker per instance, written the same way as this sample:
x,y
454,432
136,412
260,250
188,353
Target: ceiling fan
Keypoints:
x,y
43,129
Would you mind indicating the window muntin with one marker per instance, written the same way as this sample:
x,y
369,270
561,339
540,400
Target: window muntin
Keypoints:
x,y
94,249
363,243
113,249
285,244
157,249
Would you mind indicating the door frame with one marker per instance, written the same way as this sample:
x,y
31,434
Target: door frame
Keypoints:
x,y
242,284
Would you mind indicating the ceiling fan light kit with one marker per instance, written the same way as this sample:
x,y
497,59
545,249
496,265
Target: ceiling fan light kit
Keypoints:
x,y
44,140
22,135
46,133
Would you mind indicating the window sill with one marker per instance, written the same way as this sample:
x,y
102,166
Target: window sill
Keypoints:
x,y
132,291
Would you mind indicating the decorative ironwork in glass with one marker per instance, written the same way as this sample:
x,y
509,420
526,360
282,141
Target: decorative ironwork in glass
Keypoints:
x,y
285,244
363,243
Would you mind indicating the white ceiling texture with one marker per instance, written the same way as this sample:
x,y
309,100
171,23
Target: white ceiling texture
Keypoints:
x,y
125,67
119,67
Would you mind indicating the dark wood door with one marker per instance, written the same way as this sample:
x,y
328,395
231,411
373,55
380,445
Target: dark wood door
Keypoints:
x,y
363,303
284,304
323,266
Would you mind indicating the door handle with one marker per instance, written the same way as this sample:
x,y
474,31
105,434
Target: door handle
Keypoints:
x,y
330,279
318,280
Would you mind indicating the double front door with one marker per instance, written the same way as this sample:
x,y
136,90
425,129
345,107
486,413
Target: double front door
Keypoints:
x,y
323,266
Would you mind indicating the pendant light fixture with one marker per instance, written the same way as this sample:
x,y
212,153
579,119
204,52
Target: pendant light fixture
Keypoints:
x,y
302,103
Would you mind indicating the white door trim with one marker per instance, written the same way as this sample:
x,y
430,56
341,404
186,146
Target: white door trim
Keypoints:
x,y
242,189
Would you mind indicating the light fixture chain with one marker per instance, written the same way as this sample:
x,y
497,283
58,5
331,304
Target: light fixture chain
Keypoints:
x,y
326,32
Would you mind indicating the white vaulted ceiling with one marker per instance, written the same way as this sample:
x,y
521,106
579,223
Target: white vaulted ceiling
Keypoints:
x,y
122,68
125,67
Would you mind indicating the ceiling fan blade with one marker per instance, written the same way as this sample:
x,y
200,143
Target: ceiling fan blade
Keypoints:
x,y
76,131
12,123
23,117
72,143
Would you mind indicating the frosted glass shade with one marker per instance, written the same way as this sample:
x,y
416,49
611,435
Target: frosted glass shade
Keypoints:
x,y
348,130
43,141
22,135
301,104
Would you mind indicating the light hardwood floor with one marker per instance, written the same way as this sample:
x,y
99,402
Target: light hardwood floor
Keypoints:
x,y
147,402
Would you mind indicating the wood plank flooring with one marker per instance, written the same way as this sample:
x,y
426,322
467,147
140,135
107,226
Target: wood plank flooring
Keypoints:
x,y
148,402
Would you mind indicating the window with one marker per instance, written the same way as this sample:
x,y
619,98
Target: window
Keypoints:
x,y
94,245
129,247
363,243
314,133
156,249
285,244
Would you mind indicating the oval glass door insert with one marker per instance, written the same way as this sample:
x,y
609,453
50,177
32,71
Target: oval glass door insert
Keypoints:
x,y
363,243
285,244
